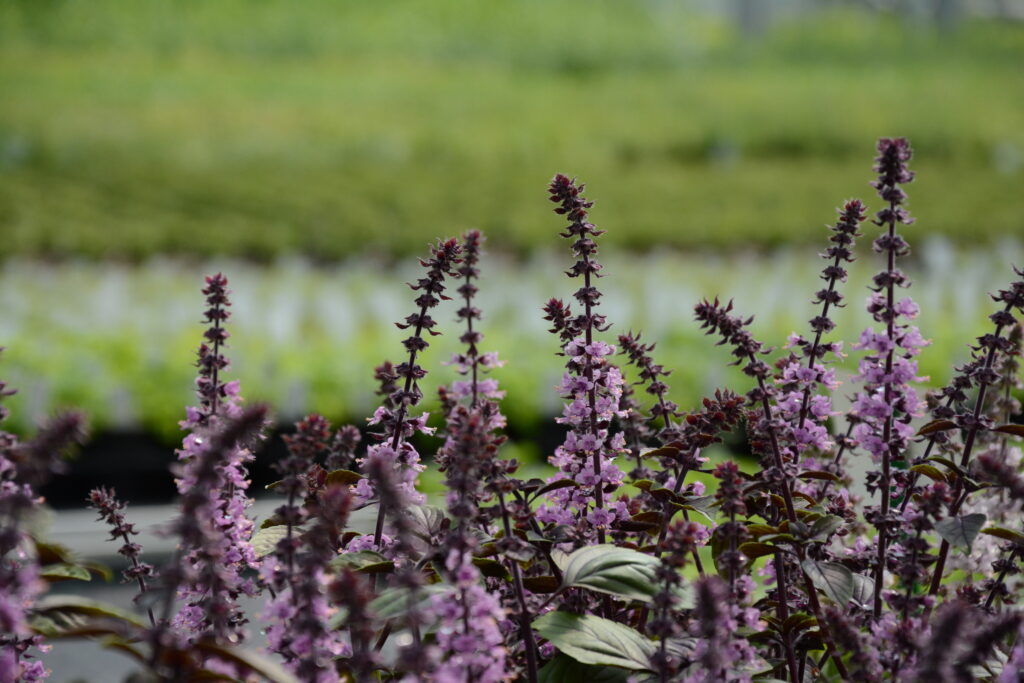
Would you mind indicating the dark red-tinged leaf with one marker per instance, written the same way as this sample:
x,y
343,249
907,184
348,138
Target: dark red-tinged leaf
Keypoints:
x,y
948,463
663,452
797,622
755,550
761,529
555,485
818,474
492,568
1015,430
936,426
53,553
929,471
342,478
541,584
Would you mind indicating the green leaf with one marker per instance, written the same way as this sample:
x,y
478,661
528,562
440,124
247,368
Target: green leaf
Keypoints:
x,y
564,669
394,602
64,571
961,531
1005,534
365,561
426,521
824,527
260,664
595,640
863,590
834,580
609,569
73,604
265,540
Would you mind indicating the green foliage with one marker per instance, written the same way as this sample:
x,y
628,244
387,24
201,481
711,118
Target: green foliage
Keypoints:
x,y
595,640
622,572
252,129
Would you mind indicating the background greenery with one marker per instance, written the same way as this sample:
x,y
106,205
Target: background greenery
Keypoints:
x,y
129,129
310,149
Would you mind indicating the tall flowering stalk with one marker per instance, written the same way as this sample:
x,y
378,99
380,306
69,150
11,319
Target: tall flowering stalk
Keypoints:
x,y
219,401
297,569
393,417
205,563
24,468
592,385
986,375
776,472
469,634
111,511
799,403
888,402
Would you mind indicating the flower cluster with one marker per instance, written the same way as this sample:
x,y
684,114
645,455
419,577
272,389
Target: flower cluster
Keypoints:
x,y
592,385
227,491
776,572
111,511
393,417
24,468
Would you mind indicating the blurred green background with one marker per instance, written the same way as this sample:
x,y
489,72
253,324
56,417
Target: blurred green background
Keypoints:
x,y
312,149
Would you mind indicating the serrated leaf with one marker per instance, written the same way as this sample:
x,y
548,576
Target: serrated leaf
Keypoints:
x,y
565,669
394,602
609,569
936,426
961,531
595,640
260,664
832,579
929,471
64,572
1005,534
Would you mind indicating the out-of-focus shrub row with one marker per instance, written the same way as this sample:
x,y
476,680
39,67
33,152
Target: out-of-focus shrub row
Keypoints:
x,y
327,128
